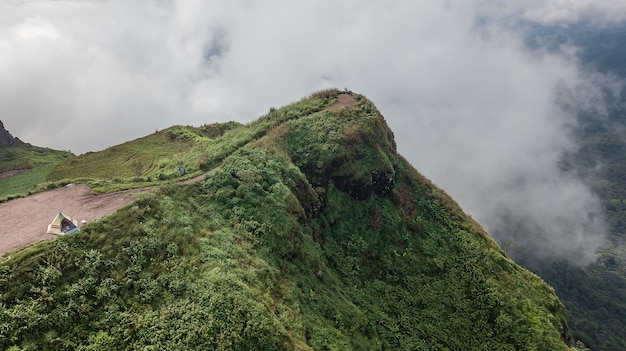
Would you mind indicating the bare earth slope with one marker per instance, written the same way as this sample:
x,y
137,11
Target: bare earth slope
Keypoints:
x,y
25,221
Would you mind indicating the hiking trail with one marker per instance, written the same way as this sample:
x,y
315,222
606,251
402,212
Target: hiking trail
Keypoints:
x,y
25,220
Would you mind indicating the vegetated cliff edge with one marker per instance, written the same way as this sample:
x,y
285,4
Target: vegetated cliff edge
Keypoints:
x,y
313,234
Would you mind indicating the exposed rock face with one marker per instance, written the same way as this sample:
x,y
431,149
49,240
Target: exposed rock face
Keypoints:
x,y
6,139
380,183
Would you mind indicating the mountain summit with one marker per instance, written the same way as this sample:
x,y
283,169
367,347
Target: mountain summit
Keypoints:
x,y
308,232
6,139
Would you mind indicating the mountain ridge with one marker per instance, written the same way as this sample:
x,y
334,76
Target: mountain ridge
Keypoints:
x,y
313,234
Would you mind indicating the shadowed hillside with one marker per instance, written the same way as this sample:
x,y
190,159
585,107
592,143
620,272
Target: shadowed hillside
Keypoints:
x,y
313,234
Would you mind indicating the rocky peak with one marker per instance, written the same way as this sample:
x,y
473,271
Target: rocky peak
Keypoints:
x,y
6,139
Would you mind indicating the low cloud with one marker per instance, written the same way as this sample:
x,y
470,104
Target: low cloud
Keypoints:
x,y
494,136
472,107
565,12
599,13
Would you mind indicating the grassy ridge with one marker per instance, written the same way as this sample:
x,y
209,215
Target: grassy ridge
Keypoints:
x,y
146,161
154,158
312,235
12,158
37,161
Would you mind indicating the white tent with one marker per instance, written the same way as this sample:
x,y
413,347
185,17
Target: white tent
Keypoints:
x,y
62,224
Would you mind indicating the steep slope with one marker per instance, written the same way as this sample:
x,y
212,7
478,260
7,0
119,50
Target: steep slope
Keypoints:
x,y
313,234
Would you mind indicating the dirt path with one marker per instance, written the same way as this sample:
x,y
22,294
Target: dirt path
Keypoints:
x,y
342,101
25,221
200,177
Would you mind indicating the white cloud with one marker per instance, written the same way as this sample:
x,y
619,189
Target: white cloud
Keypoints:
x,y
471,107
566,12
33,29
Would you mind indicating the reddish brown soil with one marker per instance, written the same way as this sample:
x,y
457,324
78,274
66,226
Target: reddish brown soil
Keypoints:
x,y
9,174
25,221
342,101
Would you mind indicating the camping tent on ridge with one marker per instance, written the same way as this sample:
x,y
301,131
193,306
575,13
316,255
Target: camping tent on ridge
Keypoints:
x,y
63,224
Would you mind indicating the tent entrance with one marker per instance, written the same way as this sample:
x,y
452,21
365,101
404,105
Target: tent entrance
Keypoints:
x,y
67,226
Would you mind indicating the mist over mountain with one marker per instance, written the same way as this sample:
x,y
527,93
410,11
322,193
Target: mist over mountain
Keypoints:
x,y
476,109
592,293
514,108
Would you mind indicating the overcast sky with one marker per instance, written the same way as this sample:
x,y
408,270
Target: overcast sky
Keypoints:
x,y
472,107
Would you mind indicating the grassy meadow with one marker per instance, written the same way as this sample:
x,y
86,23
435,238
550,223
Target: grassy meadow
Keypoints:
x,y
35,161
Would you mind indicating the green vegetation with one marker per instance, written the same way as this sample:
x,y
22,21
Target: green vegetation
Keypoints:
x,y
594,297
36,163
26,157
146,161
154,159
313,234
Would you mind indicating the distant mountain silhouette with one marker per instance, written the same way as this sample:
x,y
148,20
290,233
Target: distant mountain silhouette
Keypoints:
x,y
6,139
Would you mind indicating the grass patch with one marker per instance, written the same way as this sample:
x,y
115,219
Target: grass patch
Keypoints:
x,y
38,162
23,183
28,157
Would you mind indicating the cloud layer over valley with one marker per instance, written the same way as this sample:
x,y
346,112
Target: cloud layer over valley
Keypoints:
x,y
472,107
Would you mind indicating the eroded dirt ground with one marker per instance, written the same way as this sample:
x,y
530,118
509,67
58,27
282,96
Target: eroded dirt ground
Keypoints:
x,y
25,221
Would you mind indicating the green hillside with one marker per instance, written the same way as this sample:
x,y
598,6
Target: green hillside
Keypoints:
x,y
145,160
35,164
313,234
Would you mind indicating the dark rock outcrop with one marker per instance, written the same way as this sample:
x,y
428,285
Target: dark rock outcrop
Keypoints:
x,y
6,139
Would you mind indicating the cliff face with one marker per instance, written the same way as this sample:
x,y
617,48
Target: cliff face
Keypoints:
x,y
312,234
6,139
